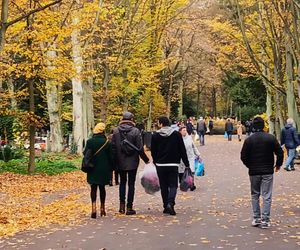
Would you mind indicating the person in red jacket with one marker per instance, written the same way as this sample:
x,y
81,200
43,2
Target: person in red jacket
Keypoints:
x,y
258,156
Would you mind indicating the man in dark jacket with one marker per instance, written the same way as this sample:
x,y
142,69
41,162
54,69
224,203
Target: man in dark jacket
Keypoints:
x,y
258,156
167,149
201,130
229,129
126,159
189,127
289,138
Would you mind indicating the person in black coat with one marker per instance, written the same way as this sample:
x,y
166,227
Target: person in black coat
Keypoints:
x,y
258,156
167,150
189,127
289,138
127,159
229,129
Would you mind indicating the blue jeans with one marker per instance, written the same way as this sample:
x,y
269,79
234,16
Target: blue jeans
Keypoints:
x,y
291,157
261,185
201,137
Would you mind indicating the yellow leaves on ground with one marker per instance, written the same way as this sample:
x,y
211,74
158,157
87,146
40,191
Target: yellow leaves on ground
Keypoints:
x,y
23,205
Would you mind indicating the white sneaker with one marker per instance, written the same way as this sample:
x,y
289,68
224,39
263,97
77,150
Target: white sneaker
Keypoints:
x,y
265,224
256,222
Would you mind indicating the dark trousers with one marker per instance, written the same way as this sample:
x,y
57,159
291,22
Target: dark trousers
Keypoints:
x,y
94,193
168,180
131,176
229,134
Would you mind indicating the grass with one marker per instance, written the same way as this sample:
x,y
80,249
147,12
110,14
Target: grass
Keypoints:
x,y
46,164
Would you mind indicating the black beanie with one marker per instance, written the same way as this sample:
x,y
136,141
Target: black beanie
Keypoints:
x,y
258,123
128,116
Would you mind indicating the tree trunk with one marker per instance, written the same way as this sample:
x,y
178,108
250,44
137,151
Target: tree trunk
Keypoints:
x,y
149,119
198,100
11,90
53,90
180,99
4,16
32,126
169,97
103,102
279,118
270,112
77,87
90,105
290,93
31,164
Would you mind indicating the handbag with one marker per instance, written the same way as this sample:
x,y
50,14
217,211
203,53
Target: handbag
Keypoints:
x,y
87,164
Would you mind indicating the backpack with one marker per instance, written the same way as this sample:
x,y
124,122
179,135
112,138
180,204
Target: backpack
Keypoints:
x,y
125,147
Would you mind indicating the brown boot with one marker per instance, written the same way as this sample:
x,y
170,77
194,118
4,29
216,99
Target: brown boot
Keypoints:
x,y
94,212
122,208
130,211
102,210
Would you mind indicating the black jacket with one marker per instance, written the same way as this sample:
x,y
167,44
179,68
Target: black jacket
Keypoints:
x,y
258,153
289,137
168,149
228,126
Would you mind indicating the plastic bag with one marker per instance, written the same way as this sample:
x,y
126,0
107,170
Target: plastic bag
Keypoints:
x,y
196,137
149,179
225,135
187,180
199,167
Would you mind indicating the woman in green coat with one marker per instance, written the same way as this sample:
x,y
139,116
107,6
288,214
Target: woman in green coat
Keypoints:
x,y
100,176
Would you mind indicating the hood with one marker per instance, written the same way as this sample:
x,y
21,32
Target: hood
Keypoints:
x,y
126,125
287,126
165,131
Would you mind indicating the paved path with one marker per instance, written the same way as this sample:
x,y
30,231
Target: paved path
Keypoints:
x,y
217,215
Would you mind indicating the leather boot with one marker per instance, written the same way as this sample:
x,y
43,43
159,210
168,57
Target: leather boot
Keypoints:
x,y
130,211
94,212
102,210
122,208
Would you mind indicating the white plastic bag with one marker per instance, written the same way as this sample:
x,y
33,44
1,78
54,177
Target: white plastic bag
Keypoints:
x,y
149,179
196,137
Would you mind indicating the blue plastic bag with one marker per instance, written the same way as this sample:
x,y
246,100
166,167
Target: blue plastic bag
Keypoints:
x,y
225,135
199,168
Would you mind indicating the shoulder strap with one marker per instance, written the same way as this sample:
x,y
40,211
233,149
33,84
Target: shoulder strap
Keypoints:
x,y
98,151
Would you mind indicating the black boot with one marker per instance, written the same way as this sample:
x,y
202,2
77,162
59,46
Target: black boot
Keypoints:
x,y
130,211
171,210
122,208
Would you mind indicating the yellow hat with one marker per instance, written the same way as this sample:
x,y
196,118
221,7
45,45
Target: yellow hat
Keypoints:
x,y
99,128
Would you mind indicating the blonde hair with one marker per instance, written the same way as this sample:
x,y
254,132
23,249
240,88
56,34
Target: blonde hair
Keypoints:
x,y
99,128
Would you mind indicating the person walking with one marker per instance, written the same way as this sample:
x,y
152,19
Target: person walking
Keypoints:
x,y
100,176
248,126
239,130
167,150
192,154
211,126
126,159
189,127
201,130
114,173
229,129
258,156
289,138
